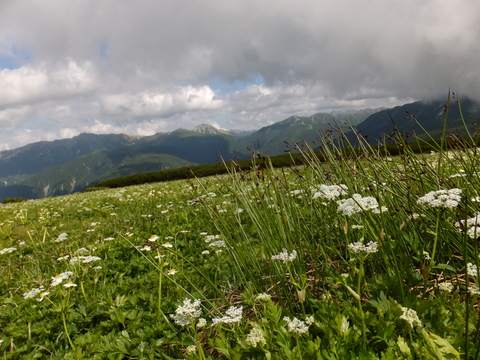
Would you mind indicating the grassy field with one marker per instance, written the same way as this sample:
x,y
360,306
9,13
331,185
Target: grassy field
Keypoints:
x,y
358,257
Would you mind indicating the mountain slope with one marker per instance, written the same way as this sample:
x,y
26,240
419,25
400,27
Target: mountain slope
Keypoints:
x,y
271,139
34,157
429,114
79,173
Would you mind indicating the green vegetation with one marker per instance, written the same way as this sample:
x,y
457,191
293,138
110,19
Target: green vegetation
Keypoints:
x,y
13,200
357,255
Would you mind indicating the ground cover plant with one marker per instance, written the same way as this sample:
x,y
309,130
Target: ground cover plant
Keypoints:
x,y
360,256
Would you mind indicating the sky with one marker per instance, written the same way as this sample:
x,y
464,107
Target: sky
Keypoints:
x,y
147,66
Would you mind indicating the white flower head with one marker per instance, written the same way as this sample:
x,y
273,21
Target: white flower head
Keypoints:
x,y
263,297
358,247
7,250
296,326
441,198
255,337
446,287
33,293
285,256
410,316
232,315
356,204
187,313
471,226
201,323
330,192
472,270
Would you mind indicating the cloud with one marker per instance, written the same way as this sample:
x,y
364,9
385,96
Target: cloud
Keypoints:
x,y
45,82
148,64
147,105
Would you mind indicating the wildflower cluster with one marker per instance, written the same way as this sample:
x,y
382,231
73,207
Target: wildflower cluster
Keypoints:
x,y
83,259
358,247
356,204
232,315
285,256
7,250
57,280
187,313
62,237
470,226
330,192
410,316
441,198
255,337
297,326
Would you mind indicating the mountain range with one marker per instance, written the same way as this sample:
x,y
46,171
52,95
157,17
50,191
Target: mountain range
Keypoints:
x,y
52,168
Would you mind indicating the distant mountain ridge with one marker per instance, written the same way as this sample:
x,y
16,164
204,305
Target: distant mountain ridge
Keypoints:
x,y
70,165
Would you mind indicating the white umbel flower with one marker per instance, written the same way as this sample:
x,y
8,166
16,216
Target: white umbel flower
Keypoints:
x,y
187,313
330,192
472,270
358,247
296,326
356,204
441,198
255,337
285,256
411,317
232,315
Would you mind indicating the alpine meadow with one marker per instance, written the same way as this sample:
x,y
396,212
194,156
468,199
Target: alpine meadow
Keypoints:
x,y
360,252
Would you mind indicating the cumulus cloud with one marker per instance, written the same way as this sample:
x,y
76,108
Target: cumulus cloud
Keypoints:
x,y
34,83
160,104
150,64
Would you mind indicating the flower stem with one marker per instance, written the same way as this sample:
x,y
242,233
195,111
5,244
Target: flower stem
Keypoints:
x,y
66,330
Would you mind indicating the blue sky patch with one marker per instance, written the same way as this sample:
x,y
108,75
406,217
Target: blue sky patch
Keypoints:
x,y
224,88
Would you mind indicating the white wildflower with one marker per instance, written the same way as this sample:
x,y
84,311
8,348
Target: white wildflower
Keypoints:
x,y
219,243
472,270
33,293
474,290
172,272
201,323
57,280
331,192
42,295
232,315
356,204
205,252
296,326
446,287
255,337
285,256
69,284
471,226
7,250
167,245
153,238
358,247
441,198
82,251
61,237
410,316
83,259
146,248
191,349
187,313
263,297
